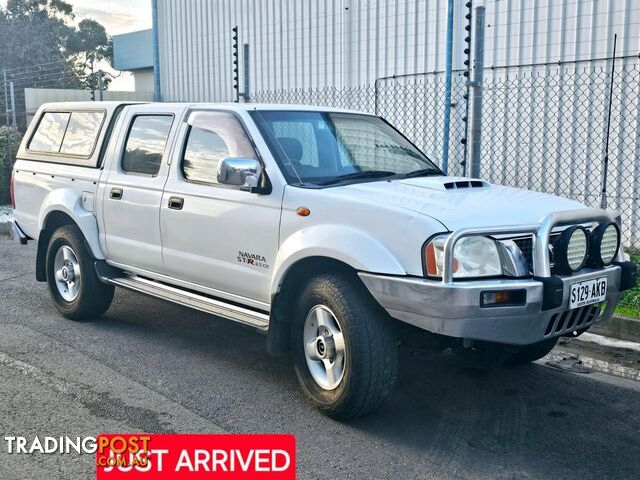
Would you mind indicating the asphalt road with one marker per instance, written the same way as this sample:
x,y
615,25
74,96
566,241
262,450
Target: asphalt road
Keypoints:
x,y
151,366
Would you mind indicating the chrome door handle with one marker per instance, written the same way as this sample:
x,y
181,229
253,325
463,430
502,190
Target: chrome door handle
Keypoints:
x,y
176,203
116,193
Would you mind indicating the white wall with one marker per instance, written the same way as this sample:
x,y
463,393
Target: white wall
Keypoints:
x,y
143,80
309,44
34,97
295,44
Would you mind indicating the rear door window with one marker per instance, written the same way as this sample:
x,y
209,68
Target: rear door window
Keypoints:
x,y
50,132
145,144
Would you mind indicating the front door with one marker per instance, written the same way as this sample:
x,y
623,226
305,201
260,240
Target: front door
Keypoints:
x,y
218,236
133,188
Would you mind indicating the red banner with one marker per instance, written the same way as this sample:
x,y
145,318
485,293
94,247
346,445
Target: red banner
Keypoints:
x,y
187,457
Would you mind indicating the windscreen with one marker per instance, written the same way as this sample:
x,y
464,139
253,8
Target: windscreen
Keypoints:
x,y
319,147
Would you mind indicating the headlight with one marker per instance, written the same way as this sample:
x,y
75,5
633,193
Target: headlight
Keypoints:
x,y
605,242
570,250
472,257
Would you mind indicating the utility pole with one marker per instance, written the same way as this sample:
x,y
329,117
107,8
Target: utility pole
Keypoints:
x,y
476,91
157,93
245,73
13,105
100,85
93,85
6,95
447,89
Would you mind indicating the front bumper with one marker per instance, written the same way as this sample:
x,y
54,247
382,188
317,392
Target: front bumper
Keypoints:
x,y
453,309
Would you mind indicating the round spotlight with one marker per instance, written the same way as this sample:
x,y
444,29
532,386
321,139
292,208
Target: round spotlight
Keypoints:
x,y
570,250
605,242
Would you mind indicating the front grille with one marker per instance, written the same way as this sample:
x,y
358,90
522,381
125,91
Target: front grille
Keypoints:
x,y
571,320
526,247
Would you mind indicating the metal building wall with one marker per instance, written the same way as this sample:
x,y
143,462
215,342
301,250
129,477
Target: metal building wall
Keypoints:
x,y
521,32
341,43
295,44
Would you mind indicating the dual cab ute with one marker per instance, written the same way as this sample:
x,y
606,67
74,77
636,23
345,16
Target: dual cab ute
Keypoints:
x,y
328,230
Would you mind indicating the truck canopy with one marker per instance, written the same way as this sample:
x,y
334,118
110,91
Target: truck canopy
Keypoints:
x,y
72,133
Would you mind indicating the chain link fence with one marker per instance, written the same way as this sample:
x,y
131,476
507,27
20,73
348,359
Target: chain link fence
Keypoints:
x,y
543,126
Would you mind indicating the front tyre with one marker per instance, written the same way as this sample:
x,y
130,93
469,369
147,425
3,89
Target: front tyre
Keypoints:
x,y
344,349
71,276
533,352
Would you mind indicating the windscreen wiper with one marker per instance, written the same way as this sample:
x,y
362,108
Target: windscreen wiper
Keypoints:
x,y
358,176
425,172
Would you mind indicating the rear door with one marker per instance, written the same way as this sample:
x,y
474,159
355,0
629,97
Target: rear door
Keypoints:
x,y
133,188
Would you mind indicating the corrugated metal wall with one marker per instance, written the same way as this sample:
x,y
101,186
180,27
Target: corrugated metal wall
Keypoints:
x,y
294,44
521,32
342,43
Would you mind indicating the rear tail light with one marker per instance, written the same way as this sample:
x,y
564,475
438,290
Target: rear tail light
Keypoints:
x,y
11,192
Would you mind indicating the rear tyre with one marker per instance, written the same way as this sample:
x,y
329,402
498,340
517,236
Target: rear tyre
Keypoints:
x,y
72,279
344,349
533,352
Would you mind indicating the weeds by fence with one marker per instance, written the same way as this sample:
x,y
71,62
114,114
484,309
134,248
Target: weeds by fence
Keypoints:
x,y
9,142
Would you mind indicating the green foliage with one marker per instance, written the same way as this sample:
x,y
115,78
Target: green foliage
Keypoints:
x,y
41,33
630,300
9,143
88,44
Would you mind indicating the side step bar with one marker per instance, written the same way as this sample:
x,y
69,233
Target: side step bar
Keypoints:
x,y
193,300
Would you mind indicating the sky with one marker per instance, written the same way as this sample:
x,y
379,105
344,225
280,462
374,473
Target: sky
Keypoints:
x,y
117,16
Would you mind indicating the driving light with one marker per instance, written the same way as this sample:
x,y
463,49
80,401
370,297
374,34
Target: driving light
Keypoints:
x,y
570,250
503,298
474,256
605,242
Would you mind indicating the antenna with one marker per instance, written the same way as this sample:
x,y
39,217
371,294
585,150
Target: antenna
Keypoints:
x,y
605,167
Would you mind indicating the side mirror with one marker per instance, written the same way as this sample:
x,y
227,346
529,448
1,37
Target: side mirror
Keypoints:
x,y
240,172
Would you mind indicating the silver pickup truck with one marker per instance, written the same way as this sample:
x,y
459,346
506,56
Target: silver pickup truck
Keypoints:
x,y
327,230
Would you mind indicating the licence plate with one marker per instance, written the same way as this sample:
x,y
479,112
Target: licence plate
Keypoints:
x,y
588,292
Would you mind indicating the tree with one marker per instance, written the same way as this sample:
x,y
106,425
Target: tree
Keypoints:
x,y
89,44
41,47
34,32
